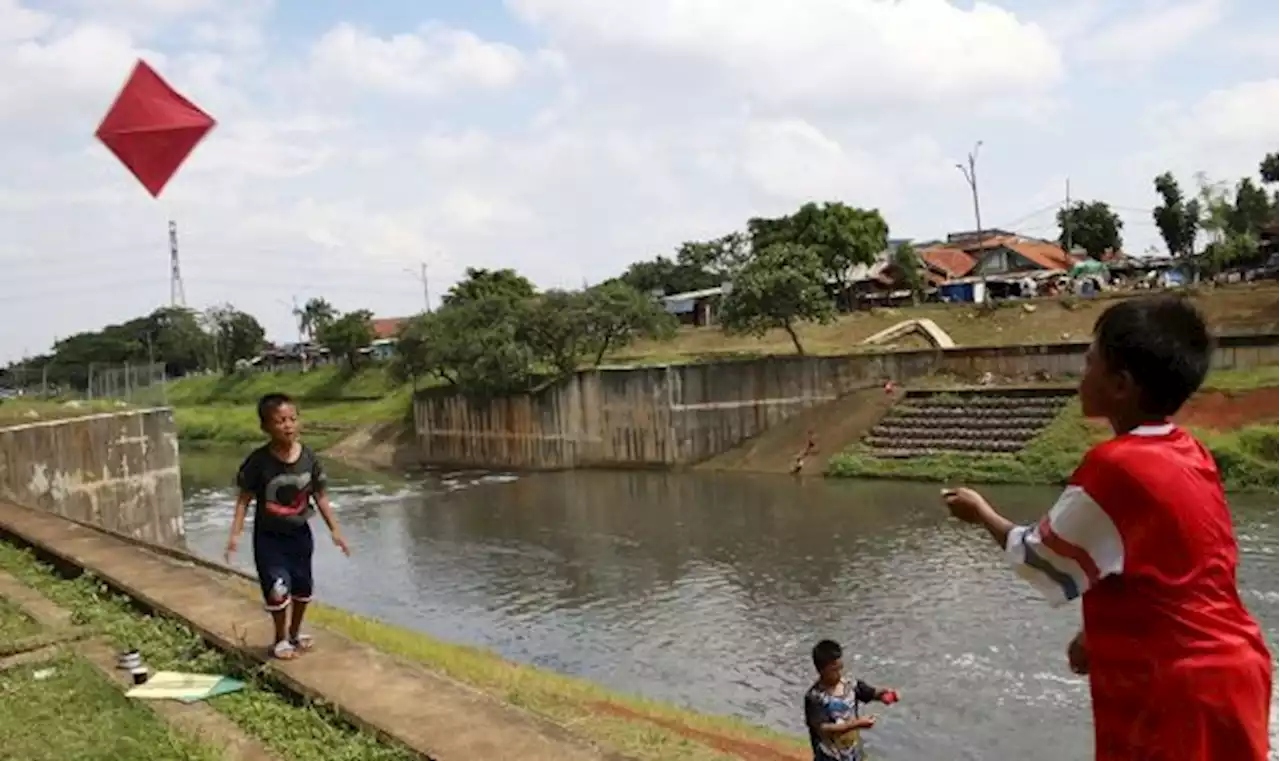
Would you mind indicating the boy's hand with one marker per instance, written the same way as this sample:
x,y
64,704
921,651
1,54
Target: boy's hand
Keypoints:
x,y
887,696
1078,655
232,544
862,722
966,504
341,543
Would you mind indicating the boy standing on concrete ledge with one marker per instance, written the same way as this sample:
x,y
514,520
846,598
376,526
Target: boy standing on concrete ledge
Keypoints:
x,y
283,478
1178,669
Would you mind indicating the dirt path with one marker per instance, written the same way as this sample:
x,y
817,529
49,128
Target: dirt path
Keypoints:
x,y
1227,411
834,425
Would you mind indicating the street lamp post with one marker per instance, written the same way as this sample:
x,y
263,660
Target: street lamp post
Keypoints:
x,y
970,173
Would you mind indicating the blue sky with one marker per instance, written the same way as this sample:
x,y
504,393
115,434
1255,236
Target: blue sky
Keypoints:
x,y
567,138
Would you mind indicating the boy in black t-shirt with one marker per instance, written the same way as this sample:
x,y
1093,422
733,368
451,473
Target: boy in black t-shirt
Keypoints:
x,y
831,707
283,479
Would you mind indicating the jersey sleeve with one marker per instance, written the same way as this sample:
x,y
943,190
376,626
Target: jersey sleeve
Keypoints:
x,y
249,476
319,480
815,714
1077,544
863,692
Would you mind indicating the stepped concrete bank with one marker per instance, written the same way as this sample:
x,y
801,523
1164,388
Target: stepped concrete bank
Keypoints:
x,y
684,414
115,470
434,716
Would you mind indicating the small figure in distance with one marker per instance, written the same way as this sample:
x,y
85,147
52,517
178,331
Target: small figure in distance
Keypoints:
x,y
1178,668
831,707
810,448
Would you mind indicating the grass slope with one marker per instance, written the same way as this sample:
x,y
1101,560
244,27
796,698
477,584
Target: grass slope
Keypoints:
x,y
1246,456
333,401
299,732
75,713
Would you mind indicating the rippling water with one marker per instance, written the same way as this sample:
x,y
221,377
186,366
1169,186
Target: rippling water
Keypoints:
x,y
709,589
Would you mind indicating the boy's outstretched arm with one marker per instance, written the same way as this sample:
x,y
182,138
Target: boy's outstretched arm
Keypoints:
x,y
1064,554
326,513
865,693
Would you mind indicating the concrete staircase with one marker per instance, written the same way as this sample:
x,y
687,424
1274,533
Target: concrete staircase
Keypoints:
x,y
992,421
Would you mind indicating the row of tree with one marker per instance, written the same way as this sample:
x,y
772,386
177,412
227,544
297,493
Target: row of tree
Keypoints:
x,y
495,333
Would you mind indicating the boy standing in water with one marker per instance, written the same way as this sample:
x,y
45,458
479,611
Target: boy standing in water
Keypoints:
x,y
831,707
1178,669
283,478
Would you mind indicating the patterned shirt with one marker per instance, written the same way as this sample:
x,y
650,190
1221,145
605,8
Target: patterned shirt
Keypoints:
x,y
283,491
840,704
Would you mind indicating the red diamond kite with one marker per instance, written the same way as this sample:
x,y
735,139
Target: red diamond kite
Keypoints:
x,y
151,128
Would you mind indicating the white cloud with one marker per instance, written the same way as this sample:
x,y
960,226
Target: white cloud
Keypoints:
x,y
809,51
1151,31
433,61
615,131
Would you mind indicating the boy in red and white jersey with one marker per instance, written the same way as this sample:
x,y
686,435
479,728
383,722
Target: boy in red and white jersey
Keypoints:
x,y
1178,668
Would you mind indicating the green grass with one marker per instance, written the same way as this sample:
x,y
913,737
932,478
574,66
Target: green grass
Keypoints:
x,y
332,402
14,624
304,732
19,411
75,713
1243,380
570,702
331,383
1245,457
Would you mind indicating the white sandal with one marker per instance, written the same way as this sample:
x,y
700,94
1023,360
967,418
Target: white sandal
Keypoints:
x,y
303,643
284,650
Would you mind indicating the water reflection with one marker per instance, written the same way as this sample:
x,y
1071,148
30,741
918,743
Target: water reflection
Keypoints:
x,y
709,589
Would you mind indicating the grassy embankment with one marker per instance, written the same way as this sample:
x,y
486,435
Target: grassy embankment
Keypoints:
x,y
1246,454
334,401
218,410
76,714
640,729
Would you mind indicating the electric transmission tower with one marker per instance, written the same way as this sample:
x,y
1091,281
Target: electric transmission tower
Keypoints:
x,y
177,296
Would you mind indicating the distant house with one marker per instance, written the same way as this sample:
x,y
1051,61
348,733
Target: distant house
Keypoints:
x,y
699,308
387,327
382,349
1016,256
947,262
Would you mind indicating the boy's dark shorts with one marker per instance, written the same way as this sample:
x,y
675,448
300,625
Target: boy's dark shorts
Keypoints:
x,y
283,561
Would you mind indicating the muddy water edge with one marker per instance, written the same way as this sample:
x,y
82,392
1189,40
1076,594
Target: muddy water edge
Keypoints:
x,y
708,589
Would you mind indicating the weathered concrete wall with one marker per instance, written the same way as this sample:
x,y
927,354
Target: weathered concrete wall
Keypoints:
x,y
118,471
682,414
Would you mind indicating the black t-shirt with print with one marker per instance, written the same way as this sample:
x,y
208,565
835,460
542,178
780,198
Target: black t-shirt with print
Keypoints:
x,y
283,492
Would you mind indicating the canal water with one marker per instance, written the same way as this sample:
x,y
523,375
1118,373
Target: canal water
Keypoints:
x,y
708,590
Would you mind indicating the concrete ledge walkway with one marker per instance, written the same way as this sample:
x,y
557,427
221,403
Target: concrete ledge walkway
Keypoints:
x,y
435,716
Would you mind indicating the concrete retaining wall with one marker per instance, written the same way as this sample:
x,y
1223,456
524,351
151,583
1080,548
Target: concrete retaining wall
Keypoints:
x,y
118,471
682,414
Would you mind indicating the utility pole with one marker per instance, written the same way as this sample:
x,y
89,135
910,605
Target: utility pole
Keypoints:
x,y
421,274
177,295
426,289
970,173
1066,218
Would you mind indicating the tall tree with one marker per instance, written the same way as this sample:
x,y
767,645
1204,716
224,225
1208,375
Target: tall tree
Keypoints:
x,y
720,258
619,315
313,316
906,262
1269,168
481,284
556,327
1092,225
840,235
236,335
667,276
345,336
1177,217
780,287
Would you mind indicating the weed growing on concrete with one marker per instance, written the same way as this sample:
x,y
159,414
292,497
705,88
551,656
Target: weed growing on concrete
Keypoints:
x,y
299,732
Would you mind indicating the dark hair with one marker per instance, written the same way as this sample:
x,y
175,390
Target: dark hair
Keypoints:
x,y
269,403
826,653
1162,342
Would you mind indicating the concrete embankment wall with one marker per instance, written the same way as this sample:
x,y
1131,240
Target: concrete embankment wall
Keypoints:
x,y
683,414
118,471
